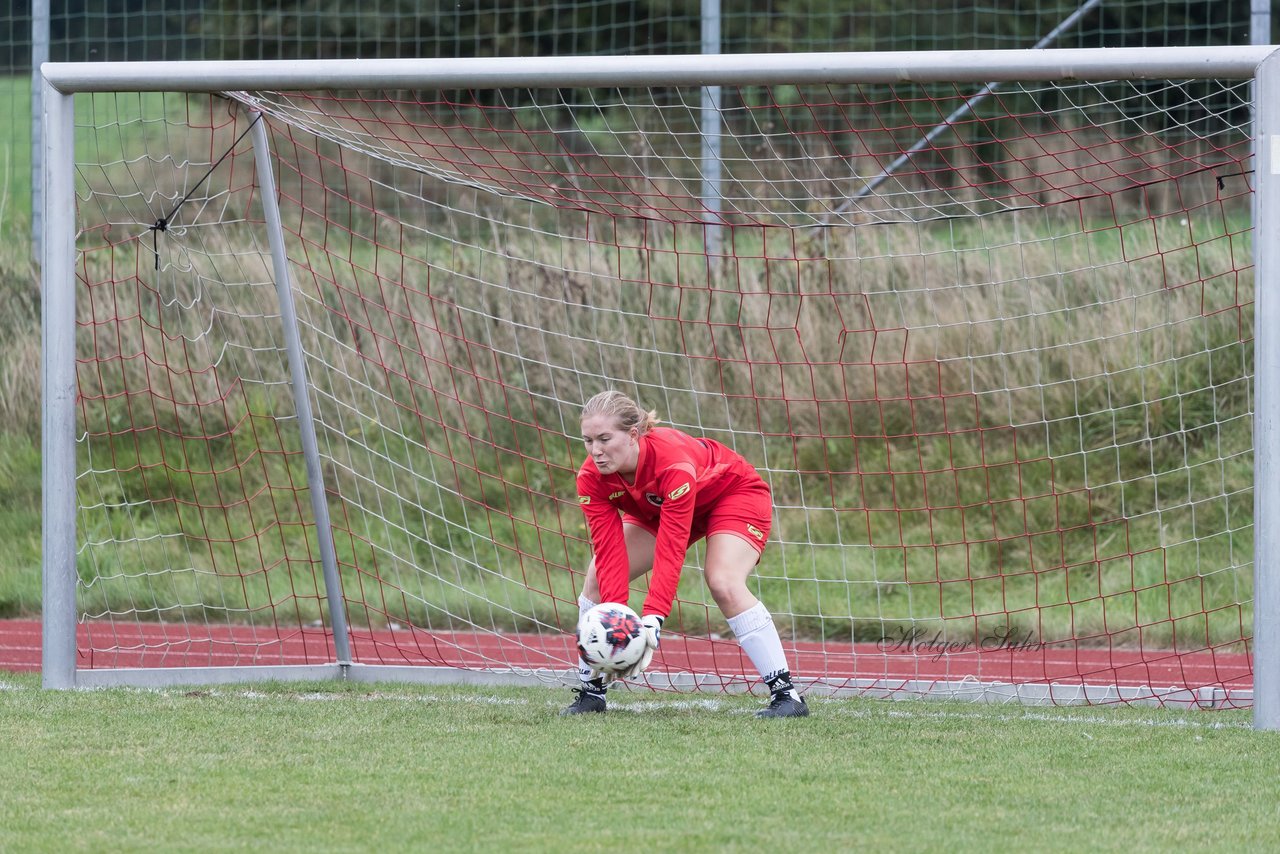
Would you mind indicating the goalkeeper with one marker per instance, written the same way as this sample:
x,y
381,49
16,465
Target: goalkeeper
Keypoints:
x,y
648,493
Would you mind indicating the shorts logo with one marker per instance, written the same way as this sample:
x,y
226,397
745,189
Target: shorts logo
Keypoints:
x,y
584,499
755,532
618,494
678,491
655,500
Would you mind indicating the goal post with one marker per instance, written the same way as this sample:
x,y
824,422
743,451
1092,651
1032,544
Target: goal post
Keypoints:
x,y
58,396
1266,421
316,334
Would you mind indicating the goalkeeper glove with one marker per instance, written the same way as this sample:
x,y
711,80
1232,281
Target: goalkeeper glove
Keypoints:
x,y
652,627
606,677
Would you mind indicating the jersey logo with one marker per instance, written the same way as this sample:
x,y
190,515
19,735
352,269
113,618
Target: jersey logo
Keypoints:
x,y
655,500
678,491
755,532
618,494
584,499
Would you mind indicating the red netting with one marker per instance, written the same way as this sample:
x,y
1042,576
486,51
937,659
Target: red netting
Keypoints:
x,y
1000,389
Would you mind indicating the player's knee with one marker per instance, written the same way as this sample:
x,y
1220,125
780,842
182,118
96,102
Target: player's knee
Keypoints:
x,y
591,587
726,588
639,569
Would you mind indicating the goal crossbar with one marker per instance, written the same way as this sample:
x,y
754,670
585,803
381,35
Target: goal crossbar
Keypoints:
x,y
1225,63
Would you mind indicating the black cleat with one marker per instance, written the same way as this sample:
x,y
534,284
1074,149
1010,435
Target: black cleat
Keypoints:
x,y
785,704
586,702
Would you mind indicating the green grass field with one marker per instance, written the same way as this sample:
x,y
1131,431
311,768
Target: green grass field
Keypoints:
x,y
351,768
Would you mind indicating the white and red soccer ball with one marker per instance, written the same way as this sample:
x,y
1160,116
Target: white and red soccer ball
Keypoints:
x,y
610,637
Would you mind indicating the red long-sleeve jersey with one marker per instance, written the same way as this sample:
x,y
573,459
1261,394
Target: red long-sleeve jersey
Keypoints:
x,y
677,482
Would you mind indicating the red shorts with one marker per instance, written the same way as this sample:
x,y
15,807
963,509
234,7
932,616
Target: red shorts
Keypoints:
x,y
746,513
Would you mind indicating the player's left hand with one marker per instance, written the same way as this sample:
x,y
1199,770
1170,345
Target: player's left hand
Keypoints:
x,y
606,677
652,627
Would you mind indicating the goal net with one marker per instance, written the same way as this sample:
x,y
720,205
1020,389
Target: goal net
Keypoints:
x,y
989,343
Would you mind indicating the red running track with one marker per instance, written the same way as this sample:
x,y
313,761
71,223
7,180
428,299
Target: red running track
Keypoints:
x,y
109,645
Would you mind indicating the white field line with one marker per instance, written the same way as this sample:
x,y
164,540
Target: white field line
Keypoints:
x,y
897,710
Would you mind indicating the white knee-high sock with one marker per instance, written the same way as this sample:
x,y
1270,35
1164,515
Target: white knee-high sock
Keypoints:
x,y
584,672
759,639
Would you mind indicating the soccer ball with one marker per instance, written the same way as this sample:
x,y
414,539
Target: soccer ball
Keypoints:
x,y
610,637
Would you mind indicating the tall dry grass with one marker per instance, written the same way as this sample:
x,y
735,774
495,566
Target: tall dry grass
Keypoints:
x,y
19,329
